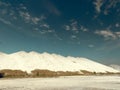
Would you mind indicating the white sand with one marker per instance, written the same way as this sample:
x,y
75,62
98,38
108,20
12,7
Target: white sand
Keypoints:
x,y
63,83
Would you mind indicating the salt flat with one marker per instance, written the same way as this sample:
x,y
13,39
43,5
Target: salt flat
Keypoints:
x,y
63,83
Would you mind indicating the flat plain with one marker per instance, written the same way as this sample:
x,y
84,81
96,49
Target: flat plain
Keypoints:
x,y
62,83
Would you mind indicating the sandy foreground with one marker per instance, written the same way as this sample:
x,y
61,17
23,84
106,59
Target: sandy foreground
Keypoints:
x,y
63,83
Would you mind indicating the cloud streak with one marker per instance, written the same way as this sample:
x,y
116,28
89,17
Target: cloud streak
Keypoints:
x,y
5,21
51,8
30,19
107,34
67,27
21,19
98,4
111,4
104,6
91,46
75,27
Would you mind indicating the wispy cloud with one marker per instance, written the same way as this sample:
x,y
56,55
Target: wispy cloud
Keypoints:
x,y
26,16
44,31
67,27
22,7
20,11
30,19
58,37
8,23
104,6
84,29
33,20
98,4
117,25
44,25
75,39
111,4
91,46
73,36
5,21
37,25
72,26
75,27
51,8
107,34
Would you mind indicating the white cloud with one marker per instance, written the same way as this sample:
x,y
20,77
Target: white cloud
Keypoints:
x,y
38,24
98,4
106,6
107,34
35,20
109,5
44,31
44,25
5,21
83,28
9,23
117,25
91,46
73,36
67,27
8,11
74,25
25,15
30,19
23,7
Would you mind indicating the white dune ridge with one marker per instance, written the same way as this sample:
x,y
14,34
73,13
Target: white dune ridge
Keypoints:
x,y
28,61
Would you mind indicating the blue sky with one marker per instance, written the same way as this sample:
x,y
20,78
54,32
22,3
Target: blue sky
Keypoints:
x,y
80,28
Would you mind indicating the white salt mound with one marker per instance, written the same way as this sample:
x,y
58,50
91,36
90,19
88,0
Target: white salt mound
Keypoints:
x,y
28,61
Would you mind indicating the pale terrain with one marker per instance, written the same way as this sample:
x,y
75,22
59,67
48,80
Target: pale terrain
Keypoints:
x,y
28,61
63,83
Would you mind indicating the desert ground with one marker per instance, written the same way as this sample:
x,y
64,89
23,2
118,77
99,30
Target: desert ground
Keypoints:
x,y
62,83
